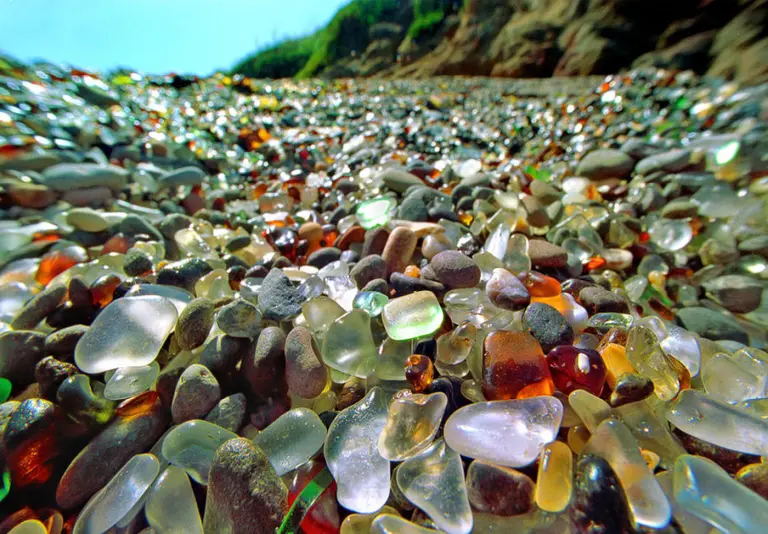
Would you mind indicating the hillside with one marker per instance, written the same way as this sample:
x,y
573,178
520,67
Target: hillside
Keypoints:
x,y
526,38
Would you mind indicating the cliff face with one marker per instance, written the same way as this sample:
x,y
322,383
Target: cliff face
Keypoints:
x,y
539,38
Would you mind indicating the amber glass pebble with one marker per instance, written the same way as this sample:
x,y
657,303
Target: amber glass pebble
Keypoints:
x,y
540,285
578,436
616,362
614,335
103,288
419,371
575,368
514,367
117,243
412,271
137,405
58,261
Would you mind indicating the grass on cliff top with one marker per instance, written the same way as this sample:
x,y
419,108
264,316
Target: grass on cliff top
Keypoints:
x,y
308,56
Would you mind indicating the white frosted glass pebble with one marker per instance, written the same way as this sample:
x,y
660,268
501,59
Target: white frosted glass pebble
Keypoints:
x,y
507,432
129,381
191,446
434,481
179,297
119,496
129,332
352,455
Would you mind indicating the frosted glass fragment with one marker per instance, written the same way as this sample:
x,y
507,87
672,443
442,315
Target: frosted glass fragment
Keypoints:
x,y
523,425
434,481
129,381
348,345
412,424
292,439
412,316
351,452
129,332
171,506
191,446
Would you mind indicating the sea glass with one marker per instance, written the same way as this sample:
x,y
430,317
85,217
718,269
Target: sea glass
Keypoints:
x,y
129,332
171,505
514,366
351,451
191,446
646,355
348,345
412,316
292,439
554,483
707,491
127,382
412,424
434,481
523,425
613,441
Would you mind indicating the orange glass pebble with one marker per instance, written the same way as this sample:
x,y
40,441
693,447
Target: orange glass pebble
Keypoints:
x,y
558,302
514,367
595,263
137,405
577,438
540,285
117,243
412,271
466,219
616,362
103,288
419,371
58,261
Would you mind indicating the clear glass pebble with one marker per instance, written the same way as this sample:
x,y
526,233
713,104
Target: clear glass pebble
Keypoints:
x,y
292,439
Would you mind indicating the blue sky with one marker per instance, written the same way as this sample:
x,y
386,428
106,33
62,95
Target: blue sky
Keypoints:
x,y
155,36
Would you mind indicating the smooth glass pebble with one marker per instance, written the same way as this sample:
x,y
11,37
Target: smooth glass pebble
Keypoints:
x,y
575,368
118,497
707,491
645,355
434,481
412,424
516,258
171,504
591,410
392,524
523,425
671,234
605,321
514,366
5,389
127,382
613,441
129,332
733,380
320,312
348,345
419,372
351,453
292,439
554,483
371,302
375,212
689,523
361,523
412,316
179,297
719,423
191,446
455,346
497,241
30,526
682,345
392,357
651,431
214,285
13,296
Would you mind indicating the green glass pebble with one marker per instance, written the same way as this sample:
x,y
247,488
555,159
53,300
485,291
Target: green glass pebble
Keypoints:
x,y
375,212
372,302
606,321
412,316
5,389
5,487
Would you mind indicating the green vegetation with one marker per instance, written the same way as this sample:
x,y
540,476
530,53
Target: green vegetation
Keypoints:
x,y
427,16
347,31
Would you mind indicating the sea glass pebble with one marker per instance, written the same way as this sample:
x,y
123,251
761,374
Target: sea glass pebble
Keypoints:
x,y
171,505
348,345
613,441
524,426
375,212
434,481
412,316
129,381
392,524
129,332
120,494
707,491
361,473
191,446
719,423
292,439
412,424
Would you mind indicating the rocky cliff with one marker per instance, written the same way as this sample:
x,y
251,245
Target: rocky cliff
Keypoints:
x,y
536,38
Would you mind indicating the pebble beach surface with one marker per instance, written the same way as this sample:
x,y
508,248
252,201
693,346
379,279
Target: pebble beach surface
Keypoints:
x,y
386,307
